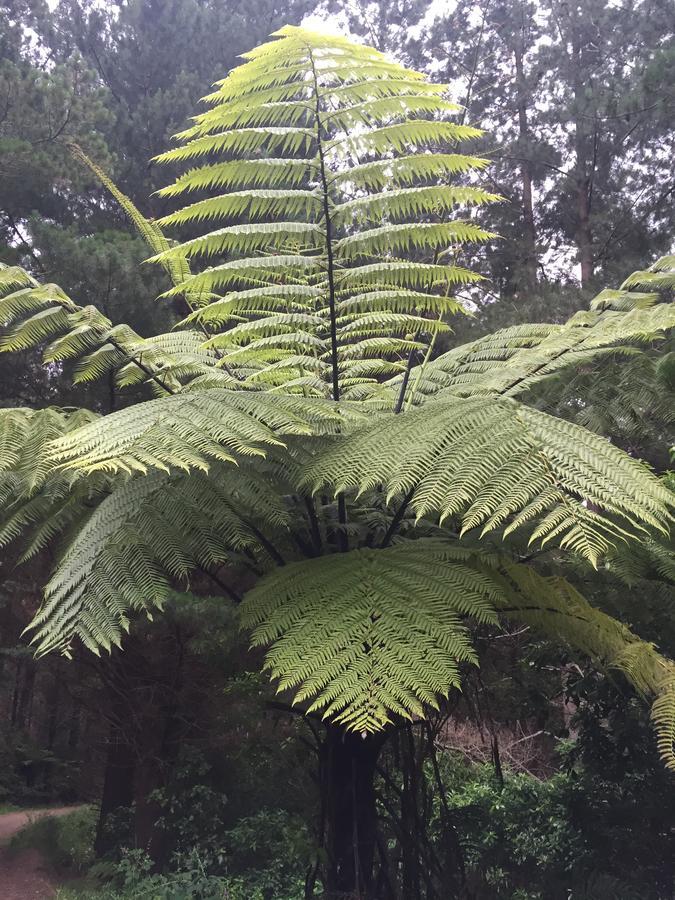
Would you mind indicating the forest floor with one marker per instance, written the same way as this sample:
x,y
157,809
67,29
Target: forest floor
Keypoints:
x,y
24,874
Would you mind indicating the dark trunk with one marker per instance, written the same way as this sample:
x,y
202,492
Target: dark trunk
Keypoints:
x,y
348,778
54,701
25,705
584,234
118,787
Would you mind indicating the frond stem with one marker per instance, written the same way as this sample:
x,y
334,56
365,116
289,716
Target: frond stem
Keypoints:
x,y
404,384
398,518
265,543
137,362
329,238
342,506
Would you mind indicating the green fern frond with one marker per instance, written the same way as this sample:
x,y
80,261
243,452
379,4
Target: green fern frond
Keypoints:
x,y
282,128
190,431
407,170
410,203
247,239
406,238
25,439
143,537
555,608
514,360
13,278
345,638
251,203
499,464
349,642
244,173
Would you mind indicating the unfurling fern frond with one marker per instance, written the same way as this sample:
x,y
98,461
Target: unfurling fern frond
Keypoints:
x,y
495,463
286,129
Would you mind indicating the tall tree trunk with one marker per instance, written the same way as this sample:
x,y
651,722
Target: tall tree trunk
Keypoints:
x,y
529,237
585,155
118,786
348,763
584,232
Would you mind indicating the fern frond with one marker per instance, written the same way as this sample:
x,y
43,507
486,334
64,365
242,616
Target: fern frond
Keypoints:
x,y
282,128
189,431
410,203
247,239
349,642
408,170
405,238
176,266
499,464
555,608
514,360
243,173
252,204
145,536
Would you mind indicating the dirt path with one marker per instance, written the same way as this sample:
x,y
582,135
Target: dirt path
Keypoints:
x,y
23,875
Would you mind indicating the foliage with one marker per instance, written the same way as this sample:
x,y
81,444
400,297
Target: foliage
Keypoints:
x,y
66,842
487,460
349,169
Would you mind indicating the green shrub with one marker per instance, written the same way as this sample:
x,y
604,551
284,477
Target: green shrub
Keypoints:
x,y
133,881
66,842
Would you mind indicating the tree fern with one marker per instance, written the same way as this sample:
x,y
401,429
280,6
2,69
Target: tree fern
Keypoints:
x,y
327,239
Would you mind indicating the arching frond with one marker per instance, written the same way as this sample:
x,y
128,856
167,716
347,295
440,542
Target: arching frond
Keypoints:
x,y
43,315
141,539
513,360
498,464
190,430
556,609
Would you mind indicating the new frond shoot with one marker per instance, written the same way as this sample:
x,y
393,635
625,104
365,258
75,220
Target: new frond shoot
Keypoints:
x,y
321,192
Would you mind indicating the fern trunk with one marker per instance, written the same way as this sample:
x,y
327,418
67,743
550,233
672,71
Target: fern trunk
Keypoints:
x,y
348,782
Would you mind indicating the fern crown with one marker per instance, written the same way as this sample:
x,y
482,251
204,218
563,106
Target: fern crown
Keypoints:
x,y
302,430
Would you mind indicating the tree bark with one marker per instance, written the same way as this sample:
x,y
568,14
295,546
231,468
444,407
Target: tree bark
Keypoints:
x,y
585,166
348,763
118,786
584,232
529,239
